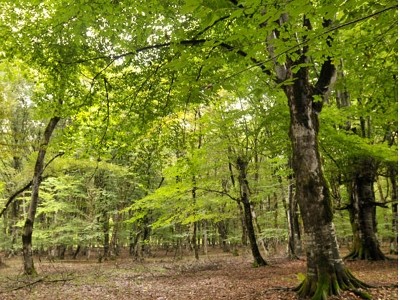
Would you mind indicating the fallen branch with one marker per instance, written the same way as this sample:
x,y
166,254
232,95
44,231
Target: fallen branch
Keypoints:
x,y
27,285
42,279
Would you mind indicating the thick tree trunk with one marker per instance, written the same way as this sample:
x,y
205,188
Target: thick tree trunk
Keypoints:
x,y
363,212
244,196
29,268
326,273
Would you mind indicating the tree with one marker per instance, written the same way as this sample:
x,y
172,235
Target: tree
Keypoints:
x,y
364,118
29,268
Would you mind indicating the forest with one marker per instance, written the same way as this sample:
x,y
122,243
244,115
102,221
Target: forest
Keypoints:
x,y
198,149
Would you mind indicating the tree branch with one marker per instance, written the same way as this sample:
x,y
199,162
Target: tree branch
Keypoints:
x,y
211,25
257,63
13,196
28,185
218,192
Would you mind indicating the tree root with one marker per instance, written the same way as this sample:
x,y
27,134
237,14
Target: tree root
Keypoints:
x,y
331,285
364,254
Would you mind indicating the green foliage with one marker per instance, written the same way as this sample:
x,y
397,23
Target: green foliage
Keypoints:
x,y
157,106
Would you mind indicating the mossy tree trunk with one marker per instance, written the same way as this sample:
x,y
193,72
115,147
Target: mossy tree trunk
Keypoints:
x,y
362,211
326,273
29,268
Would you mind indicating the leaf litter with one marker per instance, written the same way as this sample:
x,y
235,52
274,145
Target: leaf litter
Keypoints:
x,y
214,277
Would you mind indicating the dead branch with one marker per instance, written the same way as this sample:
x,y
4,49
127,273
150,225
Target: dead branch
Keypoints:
x,y
38,280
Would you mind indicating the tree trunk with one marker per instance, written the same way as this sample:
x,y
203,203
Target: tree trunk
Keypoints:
x,y
114,245
29,268
133,242
146,229
394,238
294,245
222,227
76,252
105,222
326,273
205,238
244,197
13,228
194,240
363,212
194,243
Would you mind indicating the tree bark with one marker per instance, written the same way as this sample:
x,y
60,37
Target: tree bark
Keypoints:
x,y
362,211
394,238
115,247
29,268
245,199
326,273
105,224
194,240
294,244
222,227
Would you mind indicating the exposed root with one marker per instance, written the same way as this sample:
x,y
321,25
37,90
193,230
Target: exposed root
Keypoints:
x,y
331,285
365,254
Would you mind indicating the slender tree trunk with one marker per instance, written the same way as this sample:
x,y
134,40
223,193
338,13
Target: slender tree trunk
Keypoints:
x,y
134,238
13,228
244,197
146,236
222,227
196,225
106,235
294,245
29,268
205,237
115,235
363,212
194,240
76,252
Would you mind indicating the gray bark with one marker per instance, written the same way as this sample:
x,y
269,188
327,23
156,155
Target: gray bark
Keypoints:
x,y
29,267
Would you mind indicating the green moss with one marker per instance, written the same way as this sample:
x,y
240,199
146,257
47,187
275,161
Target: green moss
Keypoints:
x,y
331,284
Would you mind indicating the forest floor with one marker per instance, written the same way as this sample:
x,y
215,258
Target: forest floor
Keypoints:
x,y
216,276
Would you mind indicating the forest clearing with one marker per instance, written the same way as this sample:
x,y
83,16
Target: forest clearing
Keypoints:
x,y
216,276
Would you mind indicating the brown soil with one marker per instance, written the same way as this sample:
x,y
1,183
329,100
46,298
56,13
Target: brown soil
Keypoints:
x,y
221,276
